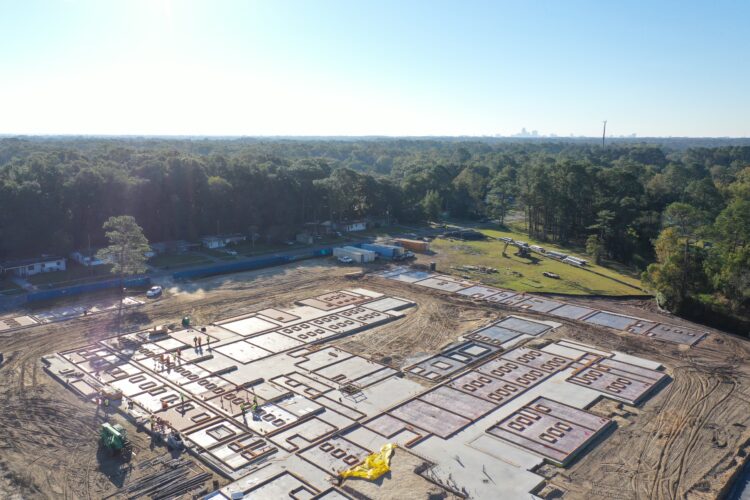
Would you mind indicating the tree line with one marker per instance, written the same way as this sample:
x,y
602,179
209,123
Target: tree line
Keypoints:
x,y
678,212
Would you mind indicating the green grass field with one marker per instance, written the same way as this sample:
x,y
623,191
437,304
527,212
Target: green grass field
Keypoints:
x,y
526,274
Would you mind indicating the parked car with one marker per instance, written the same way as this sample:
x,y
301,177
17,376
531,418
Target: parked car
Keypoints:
x,y
230,252
345,260
154,291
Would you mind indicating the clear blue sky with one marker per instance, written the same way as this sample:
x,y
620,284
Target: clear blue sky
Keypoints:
x,y
654,68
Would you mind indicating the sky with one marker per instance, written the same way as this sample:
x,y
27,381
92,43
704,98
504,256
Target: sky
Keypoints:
x,y
356,67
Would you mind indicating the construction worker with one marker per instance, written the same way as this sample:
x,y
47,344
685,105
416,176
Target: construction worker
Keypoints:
x,y
179,355
208,342
164,404
243,407
200,342
195,342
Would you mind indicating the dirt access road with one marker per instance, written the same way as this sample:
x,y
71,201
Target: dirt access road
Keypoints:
x,y
681,444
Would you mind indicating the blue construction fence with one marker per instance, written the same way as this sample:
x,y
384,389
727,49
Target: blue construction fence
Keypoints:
x,y
249,265
134,282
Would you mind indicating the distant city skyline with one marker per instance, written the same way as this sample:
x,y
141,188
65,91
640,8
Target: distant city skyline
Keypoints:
x,y
336,68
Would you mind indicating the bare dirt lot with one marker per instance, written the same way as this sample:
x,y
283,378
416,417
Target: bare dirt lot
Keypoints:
x,y
682,443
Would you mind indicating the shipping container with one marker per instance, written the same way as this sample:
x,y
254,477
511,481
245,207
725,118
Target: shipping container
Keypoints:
x,y
556,255
358,255
385,251
575,261
414,245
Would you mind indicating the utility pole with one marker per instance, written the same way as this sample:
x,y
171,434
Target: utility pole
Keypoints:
x,y
604,132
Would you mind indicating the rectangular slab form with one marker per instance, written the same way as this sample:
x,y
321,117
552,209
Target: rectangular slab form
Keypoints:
x,y
523,325
676,334
571,311
615,321
608,377
432,419
556,431
538,304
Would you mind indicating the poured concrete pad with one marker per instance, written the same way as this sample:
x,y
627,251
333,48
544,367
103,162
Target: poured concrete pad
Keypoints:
x,y
491,389
554,430
479,292
641,326
277,315
676,334
540,360
409,276
249,326
275,342
243,352
390,304
508,298
443,283
303,434
523,325
610,320
452,360
618,380
571,311
334,300
494,335
335,454
515,373
457,402
284,485
430,418
539,304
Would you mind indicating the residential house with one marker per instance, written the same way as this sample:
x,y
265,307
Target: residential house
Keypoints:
x,y
30,267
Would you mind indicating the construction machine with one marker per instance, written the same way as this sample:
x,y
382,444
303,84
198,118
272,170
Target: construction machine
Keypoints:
x,y
115,438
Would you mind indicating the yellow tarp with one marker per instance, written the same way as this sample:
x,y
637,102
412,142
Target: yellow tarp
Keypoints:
x,y
374,466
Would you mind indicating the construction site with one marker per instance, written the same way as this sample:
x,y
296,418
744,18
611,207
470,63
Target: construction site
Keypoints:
x,y
313,381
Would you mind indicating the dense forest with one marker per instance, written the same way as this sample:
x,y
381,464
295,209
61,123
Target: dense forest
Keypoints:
x,y
679,213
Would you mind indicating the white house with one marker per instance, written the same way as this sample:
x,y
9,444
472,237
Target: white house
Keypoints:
x,y
222,240
30,267
87,258
351,227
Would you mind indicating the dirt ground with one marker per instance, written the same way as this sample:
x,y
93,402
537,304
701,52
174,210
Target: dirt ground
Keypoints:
x,y
682,443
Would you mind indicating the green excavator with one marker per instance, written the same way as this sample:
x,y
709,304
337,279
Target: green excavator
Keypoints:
x,y
115,439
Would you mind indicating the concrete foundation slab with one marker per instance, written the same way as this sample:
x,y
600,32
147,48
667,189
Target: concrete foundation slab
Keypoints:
x,y
615,321
243,352
535,358
522,325
390,304
571,311
491,389
274,342
676,334
430,418
443,283
479,292
494,335
335,454
608,377
538,304
249,326
554,430
460,403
